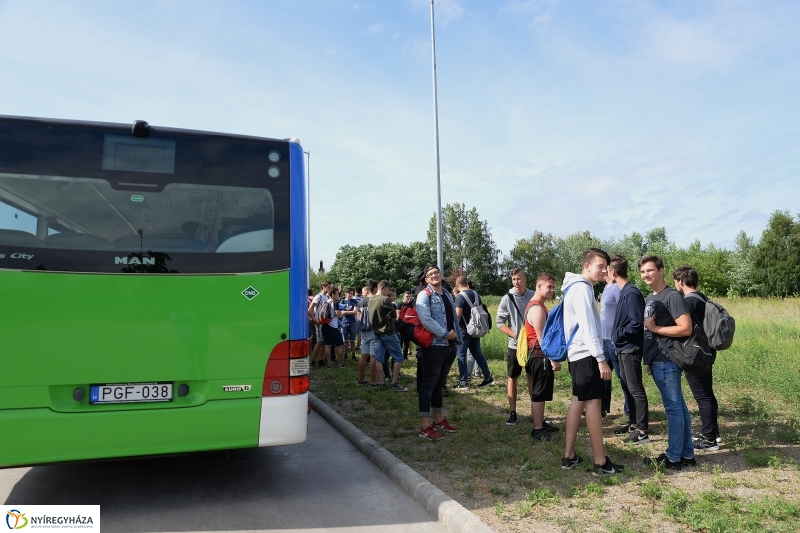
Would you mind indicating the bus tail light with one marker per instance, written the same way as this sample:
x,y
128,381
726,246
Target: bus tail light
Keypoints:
x,y
287,369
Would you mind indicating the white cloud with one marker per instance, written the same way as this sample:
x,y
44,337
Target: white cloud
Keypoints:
x,y
375,29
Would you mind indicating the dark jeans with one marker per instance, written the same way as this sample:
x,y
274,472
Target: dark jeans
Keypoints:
x,y
473,344
608,349
703,392
436,363
631,379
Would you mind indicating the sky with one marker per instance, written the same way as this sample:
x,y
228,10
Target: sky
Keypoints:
x,y
611,117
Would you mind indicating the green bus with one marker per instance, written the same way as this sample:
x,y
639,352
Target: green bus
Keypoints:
x,y
154,291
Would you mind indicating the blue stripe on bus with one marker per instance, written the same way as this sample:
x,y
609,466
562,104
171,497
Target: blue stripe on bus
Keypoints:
x,y
298,271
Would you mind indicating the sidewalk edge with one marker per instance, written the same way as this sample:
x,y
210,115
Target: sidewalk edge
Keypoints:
x,y
442,507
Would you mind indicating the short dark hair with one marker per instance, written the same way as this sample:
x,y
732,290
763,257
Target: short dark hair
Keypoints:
x,y
545,276
334,290
652,259
372,285
620,265
687,275
591,253
383,283
518,270
461,281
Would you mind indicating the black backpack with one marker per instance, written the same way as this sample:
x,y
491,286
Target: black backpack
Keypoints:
x,y
718,325
692,355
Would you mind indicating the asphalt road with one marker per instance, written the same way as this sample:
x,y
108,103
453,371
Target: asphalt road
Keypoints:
x,y
322,484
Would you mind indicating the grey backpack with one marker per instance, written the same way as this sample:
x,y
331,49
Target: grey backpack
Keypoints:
x,y
478,324
718,325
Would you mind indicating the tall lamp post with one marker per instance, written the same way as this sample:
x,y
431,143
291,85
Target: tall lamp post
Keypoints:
x,y
439,254
308,206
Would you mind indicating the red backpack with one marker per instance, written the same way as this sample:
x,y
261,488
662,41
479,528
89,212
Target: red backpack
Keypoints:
x,y
419,335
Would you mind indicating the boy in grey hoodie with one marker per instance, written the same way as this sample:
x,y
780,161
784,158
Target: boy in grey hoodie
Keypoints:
x,y
587,364
509,320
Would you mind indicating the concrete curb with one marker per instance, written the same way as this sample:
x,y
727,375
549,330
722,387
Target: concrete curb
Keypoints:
x,y
442,507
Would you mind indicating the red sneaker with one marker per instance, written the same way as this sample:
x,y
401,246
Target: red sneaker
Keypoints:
x,y
429,433
445,425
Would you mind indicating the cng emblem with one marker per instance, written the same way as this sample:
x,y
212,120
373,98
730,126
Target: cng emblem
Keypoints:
x,y
250,293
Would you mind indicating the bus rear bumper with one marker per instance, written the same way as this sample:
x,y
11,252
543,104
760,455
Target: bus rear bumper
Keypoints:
x,y
284,420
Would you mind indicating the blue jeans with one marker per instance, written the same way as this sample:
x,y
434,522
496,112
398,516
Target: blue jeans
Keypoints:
x,y
679,424
388,343
473,344
610,351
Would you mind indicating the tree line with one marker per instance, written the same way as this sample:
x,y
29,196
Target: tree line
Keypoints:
x,y
767,268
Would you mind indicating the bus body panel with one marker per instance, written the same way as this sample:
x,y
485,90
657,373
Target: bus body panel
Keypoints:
x,y
195,330
42,435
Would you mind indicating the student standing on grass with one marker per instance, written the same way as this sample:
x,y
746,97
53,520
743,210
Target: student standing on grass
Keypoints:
x,y
628,338
436,311
667,316
587,364
318,355
608,308
382,315
347,306
539,368
509,321
331,332
367,338
708,439
467,296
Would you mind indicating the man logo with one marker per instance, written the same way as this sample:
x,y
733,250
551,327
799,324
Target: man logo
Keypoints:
x,y
134,261
250,293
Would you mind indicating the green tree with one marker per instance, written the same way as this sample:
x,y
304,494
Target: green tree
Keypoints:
x,y
536,254
467,245
570,250
712,264
776,258
741,276
397,263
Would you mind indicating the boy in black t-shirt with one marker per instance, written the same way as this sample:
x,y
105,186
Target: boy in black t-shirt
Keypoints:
x,y
667,317
708,439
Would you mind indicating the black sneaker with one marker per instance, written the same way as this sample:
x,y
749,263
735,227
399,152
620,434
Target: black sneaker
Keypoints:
x,y
541,434
461,385
607,469
688,462
485,382
398,388
662,460
636,437
623,429
512,419
550,428
705,445
569,464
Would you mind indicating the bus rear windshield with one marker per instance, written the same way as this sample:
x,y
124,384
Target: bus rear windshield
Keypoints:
x,y
81,199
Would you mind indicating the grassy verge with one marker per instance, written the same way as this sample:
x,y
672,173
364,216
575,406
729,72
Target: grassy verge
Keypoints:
x,y
514,483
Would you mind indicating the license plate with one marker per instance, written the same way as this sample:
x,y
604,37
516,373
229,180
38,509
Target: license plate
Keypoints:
x,y
131,393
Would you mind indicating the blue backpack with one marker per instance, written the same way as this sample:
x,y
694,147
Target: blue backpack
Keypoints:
x,y
554,344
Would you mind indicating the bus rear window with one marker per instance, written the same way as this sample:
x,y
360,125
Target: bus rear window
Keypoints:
x,y
84,198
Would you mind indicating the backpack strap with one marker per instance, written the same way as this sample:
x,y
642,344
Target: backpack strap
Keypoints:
x,y
695,294
511,299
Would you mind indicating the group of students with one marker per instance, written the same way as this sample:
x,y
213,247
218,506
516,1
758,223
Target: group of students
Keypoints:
x,y
622,337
